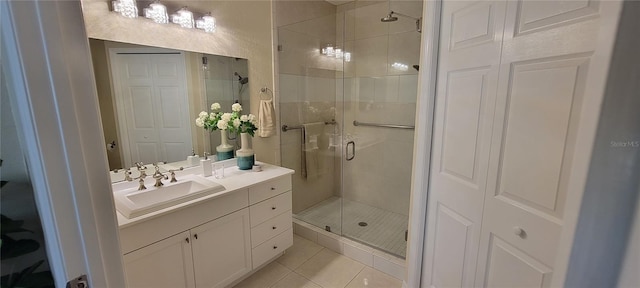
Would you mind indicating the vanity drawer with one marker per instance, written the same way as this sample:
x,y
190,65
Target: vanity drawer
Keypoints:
x,y
269,189
271,228
269,208
271,248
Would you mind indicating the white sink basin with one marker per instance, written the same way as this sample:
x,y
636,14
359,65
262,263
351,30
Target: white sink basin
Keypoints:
x,y
132,202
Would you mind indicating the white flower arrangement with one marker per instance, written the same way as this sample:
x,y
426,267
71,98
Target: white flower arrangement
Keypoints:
x,y
236,107
243,123
209,121
234,122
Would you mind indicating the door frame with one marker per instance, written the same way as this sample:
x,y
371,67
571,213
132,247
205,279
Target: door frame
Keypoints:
x,y
47,62
425,108
420,195
119,102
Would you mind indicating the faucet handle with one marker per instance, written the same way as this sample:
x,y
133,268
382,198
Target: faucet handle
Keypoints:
x,y
141,182
173,174
140,166
127,175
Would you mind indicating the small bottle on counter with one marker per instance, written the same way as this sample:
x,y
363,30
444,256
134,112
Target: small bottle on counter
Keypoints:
x,y
193,160
206,165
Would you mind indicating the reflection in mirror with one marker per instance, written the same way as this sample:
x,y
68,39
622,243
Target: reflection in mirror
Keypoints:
x,y
150,97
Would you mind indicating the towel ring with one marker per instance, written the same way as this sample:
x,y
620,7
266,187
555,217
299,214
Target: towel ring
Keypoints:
x,y
263,91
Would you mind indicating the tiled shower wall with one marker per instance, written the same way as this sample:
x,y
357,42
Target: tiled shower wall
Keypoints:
x,y
307,95
376,92
315,88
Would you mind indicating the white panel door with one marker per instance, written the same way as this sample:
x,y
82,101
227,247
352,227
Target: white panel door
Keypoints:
x,y
167,263
152,105
222,250
545,60
469,57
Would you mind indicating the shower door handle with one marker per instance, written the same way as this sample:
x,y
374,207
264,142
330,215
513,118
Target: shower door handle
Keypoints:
x,y
353,150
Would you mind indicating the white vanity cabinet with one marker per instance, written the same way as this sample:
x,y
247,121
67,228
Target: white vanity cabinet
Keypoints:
x,y
221,250
212,242
213,254
271,221
170,258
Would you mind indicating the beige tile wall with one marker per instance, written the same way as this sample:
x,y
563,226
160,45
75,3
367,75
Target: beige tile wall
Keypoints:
x,y
367,89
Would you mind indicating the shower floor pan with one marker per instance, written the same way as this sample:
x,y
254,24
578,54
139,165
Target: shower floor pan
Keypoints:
x,y
384,230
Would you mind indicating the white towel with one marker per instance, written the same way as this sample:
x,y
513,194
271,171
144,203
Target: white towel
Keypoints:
x,y
312,133
266,119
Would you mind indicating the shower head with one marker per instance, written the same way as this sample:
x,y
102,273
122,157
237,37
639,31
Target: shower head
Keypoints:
x,y
389,18
242,80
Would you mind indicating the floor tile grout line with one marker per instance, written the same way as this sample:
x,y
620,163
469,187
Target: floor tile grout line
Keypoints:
x,y
308,279
305,261
280,279
355,276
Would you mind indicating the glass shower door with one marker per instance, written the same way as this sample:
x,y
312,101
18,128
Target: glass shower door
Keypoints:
x,y
380,92
310,84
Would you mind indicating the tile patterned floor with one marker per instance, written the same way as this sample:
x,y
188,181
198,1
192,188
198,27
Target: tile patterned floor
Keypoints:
x,y
385,230
309,265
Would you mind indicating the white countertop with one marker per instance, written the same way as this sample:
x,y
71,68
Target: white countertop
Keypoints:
x,y
234,180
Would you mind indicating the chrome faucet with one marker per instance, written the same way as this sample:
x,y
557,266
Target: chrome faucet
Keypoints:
x,y
140,178
158,176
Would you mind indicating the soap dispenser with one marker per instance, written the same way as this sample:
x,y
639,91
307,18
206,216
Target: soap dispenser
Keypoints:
x,y
206,165
193,159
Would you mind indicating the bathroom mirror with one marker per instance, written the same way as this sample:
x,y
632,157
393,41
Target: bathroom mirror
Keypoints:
x,y
150,97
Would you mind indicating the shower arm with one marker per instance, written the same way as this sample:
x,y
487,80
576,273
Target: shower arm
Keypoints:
x,y
418,20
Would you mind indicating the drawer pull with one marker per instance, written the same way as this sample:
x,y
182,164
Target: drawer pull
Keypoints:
x,y
518,231
275,247
274,227
187,239
195,235
273,208
273,188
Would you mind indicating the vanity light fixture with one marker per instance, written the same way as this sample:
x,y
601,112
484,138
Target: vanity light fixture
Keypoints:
x,y
126,8
183,17
329,51
157,12
336,52
207,23
400,66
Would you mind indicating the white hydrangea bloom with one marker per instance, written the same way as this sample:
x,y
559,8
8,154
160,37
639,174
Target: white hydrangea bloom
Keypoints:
x,y
244,118
199,122
212,115
203,114
223,125
253,120
236,107
236,122
215,106
226,117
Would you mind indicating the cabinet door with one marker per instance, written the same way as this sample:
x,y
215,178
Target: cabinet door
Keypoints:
x,y
222,250
167,263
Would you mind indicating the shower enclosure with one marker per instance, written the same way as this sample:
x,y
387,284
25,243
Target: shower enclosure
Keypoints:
x,y
348,87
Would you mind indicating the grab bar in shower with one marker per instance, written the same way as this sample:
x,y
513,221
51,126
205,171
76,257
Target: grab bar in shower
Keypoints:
x,y
356,123
286,128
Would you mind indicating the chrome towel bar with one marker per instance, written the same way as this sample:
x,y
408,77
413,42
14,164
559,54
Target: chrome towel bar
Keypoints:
x,y
286,128
356,123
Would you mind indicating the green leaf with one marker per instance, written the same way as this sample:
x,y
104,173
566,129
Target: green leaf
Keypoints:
x,y
11,226
13,248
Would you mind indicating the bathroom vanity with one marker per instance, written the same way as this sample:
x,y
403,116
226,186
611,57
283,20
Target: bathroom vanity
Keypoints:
x,y
215,239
